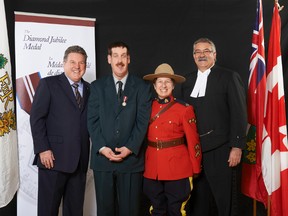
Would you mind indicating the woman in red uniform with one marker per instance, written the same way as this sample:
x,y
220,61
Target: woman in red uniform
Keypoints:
x,y
173,155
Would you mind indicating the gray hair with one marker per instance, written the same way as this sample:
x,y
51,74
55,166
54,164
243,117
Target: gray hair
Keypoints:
x,y
205,40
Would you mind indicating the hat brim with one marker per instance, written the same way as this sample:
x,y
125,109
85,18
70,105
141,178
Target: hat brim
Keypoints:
x,y
176,78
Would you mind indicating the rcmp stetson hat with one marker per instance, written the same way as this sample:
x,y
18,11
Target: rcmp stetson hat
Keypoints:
x,y
164,70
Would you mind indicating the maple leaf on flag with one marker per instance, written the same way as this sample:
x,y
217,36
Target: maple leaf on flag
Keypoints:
x,y
274,147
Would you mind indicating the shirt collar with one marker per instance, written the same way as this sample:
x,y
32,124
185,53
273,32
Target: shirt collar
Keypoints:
x,y
123,80
164,100
72,82
205,73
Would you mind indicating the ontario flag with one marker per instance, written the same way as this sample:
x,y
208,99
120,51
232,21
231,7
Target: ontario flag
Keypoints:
x,y
252,184
274,147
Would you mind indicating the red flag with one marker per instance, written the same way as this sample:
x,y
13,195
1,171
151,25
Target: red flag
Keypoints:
x,y
252,181
274,147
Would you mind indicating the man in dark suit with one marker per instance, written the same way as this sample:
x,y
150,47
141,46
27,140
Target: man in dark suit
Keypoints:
x,y
218,97
61,141
118,116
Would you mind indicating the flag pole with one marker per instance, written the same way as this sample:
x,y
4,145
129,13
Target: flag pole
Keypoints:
x,y
268,206
254,207
278,5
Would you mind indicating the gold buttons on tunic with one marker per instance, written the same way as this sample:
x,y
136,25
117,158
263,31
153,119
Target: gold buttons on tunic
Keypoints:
x,y
193,120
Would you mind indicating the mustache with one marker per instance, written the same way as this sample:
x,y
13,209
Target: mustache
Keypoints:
x,y
202,59
120,64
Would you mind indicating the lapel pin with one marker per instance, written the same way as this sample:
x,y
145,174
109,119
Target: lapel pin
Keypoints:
x,y
124,101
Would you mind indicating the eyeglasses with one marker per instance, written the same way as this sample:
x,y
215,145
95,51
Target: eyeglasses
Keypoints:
x,y
205,52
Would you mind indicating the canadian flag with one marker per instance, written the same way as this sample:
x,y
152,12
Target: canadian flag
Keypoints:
x,y
274,145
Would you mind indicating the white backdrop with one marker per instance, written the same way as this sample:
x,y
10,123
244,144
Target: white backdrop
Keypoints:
x,y
40,43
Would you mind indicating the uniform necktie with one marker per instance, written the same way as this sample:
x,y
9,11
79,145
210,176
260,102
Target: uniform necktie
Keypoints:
x,y
119,93
77,94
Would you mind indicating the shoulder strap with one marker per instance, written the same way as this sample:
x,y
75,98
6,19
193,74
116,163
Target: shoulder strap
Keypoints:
x,y
161,111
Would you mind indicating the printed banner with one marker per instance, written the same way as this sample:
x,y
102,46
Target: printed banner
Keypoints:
x,y
40,43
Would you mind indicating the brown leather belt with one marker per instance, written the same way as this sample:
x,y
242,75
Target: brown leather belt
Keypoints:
x,y
166,144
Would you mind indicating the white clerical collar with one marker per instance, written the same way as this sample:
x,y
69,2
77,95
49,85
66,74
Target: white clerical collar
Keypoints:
x,y
201,83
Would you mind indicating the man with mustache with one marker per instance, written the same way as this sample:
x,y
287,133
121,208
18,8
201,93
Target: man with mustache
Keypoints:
x,y
118,114
218,97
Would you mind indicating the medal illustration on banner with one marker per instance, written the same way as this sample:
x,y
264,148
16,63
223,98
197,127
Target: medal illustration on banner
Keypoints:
x,y
124,101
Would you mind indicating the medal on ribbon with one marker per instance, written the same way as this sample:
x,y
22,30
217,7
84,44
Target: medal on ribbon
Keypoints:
x,y
124,101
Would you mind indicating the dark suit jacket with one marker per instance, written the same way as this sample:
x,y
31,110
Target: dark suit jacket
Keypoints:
x,y
221,117
113,125
58,124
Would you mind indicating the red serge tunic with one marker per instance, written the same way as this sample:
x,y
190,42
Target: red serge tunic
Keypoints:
x,y
173,163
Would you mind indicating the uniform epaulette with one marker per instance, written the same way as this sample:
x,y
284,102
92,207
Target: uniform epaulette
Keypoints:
x,y
181,102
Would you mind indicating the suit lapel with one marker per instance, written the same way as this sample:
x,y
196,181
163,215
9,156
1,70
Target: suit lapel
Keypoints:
x,y
110,94
129,88
193,81
85,95
212,81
